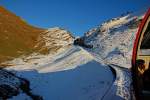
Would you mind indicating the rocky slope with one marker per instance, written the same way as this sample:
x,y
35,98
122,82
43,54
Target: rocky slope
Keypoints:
x,y
53,39
17,37
20,38
112,41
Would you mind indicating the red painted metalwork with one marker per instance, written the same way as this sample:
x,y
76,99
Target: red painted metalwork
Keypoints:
x,y
134,56
141,26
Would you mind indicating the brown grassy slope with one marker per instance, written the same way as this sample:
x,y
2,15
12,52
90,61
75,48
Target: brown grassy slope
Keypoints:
x,y
16,36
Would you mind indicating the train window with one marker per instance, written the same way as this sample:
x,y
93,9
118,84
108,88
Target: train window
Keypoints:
x,y
143,62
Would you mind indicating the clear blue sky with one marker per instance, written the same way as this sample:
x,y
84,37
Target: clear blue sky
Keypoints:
x,y
77,16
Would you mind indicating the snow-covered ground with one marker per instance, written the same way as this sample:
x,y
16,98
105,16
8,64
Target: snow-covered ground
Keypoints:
x,y
69,75
113,40
77,74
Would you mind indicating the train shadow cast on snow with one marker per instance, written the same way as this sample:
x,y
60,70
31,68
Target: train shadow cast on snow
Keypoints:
x,y
90,78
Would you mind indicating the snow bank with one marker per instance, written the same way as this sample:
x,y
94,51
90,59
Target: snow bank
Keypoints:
x,y
122,88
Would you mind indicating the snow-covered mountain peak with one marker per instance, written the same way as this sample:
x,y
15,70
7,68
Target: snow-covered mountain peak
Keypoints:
x,y
54,28
115,22
112,41
53,39
109,25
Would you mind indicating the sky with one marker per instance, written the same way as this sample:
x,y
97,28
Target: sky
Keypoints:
x,y
77,16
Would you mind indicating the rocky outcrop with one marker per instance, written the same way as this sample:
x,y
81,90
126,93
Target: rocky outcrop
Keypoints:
x,y
80,42
51,40
11,85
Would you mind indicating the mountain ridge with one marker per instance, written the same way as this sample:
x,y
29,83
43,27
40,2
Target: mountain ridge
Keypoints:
x,y
20,38
84,70
112,41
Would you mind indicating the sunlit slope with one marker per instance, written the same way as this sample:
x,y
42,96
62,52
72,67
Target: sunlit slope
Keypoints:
x,y
16,36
